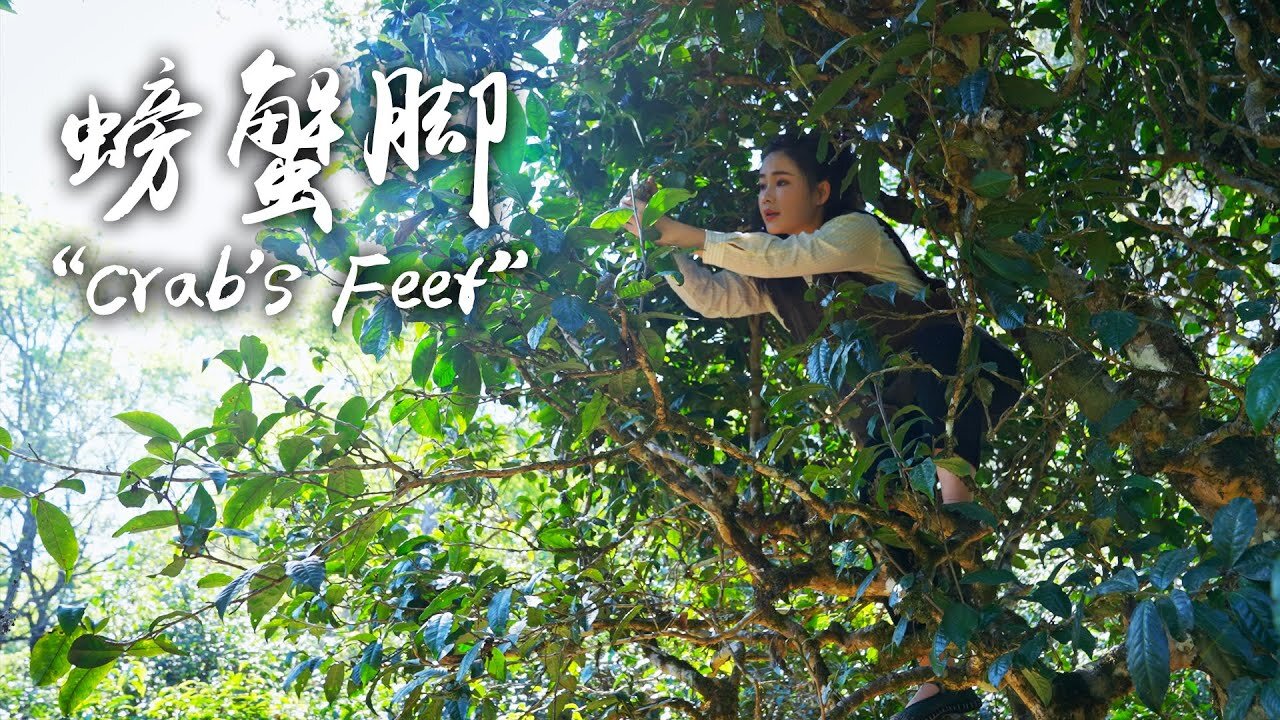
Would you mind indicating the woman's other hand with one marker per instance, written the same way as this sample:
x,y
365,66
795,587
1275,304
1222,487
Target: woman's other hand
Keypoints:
x,y
669,232
637,213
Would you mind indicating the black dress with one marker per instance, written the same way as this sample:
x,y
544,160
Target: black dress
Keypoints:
x,y
929,330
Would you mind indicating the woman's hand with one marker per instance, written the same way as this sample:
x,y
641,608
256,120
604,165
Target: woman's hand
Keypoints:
x,y
670,232
637,208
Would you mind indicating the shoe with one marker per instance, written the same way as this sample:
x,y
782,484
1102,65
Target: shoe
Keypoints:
x,y
945,704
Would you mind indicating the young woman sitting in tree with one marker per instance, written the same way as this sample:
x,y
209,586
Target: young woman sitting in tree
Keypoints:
x,y
815,235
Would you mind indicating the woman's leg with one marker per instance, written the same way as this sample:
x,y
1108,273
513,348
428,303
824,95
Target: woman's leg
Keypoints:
x,y
939,346
953,488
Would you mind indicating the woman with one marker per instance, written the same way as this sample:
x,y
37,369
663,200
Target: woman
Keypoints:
x,y
814,235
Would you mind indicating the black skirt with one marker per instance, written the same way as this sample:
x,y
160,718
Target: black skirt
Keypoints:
x,y
938,344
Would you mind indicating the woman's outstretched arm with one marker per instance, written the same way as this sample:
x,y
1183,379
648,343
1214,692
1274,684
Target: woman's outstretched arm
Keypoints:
x,y
718,294
850,242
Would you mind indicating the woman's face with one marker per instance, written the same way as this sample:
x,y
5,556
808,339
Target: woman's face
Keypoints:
x,y
788,203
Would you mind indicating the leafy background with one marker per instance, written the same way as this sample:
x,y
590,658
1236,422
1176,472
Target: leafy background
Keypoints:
x,y
576,501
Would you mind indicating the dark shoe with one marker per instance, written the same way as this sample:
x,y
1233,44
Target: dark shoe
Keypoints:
x,y
944,704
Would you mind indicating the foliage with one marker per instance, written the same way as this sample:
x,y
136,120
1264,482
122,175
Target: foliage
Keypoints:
x,y
52,405
620,534
223,667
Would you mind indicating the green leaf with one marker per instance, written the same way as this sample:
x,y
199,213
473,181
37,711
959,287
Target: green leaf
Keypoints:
x,y
265,590
383,324
536,115
150,424
7,6
992,183
570,311
869,171
56,533
6,442
1275,594
79,686
293,450
591,415
972,511
151,520
254,353
913,44
49,657
1125,580
1016,270
662,202
214,580
424,359
69,617
436,633
10,493
499,611
924,477
246,500
1170,565
970,23
835,91
795,396
307,572
1114,327
73,484
1262,390
1253,310
636,288
1148,654
1240,696
989,576
999,668
612,219
497,665
202,512
230,358
464,668
350,420
1052,598
958,623
509,153
229,593
1025,93
91,651
366,530
333,681
346,481
1233,528
556,538
444,600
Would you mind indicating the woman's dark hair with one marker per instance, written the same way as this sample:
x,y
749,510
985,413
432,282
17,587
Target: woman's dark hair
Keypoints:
x,y
839,164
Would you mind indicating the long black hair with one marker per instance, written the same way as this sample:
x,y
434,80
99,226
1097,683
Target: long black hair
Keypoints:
x,y
838,169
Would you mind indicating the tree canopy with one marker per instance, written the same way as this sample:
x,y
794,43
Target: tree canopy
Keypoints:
x,y
579,501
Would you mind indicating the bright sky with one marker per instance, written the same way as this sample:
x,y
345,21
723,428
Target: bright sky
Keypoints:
x,y
55,53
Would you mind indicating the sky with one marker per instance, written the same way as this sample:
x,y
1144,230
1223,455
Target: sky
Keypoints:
x,y
109,49
54,54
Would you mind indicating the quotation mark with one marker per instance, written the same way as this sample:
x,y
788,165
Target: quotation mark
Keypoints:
x,y
502,261
60,265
